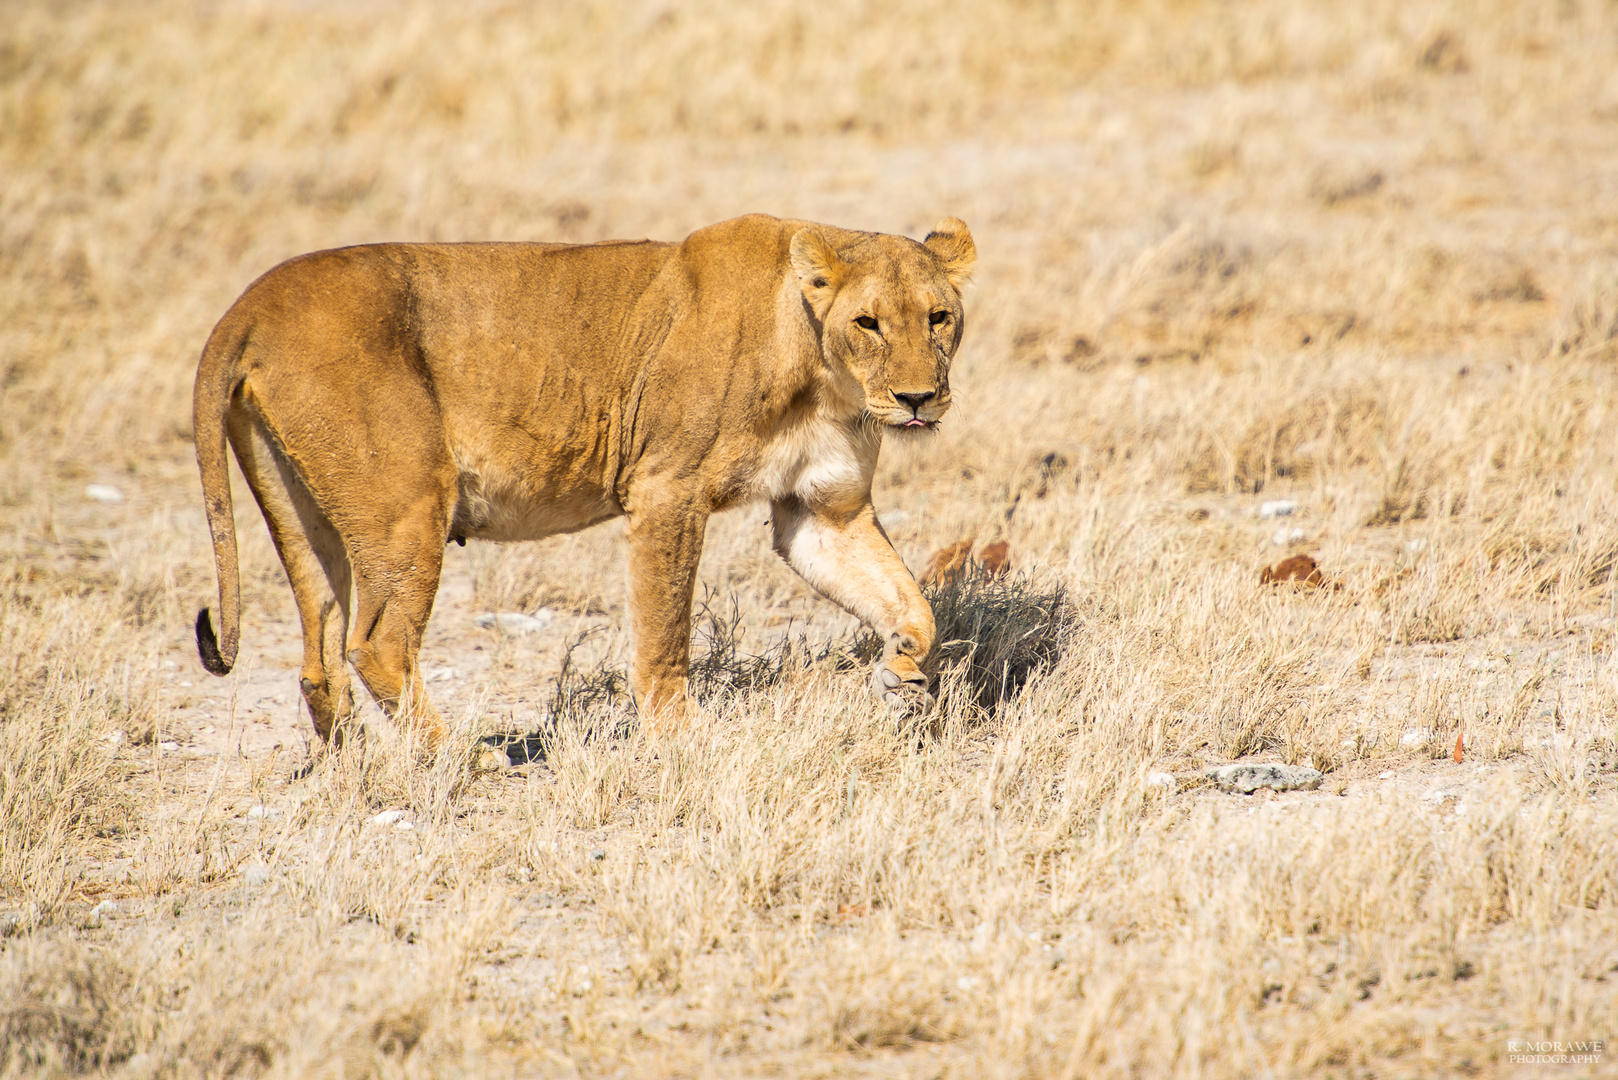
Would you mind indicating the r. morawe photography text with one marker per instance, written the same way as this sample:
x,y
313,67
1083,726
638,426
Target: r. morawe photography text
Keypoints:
x,y
1532,1052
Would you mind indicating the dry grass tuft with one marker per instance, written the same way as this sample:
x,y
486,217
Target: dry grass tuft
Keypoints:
x,y
65,1014
995,632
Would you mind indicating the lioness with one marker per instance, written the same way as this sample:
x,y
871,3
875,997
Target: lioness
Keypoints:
x,y
388,399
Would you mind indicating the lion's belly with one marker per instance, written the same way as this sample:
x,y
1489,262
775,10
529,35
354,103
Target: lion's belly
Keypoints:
x,y
479,517
527,492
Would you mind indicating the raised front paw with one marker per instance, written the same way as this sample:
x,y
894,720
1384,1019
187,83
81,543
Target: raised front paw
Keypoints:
x,y
901,685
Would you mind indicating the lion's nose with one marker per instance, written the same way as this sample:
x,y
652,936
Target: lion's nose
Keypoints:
x,y
916,401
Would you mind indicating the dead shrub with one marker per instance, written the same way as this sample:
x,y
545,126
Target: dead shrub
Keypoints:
x,y
587,700
721,671
994,633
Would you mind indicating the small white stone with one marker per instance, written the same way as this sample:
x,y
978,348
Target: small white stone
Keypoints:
x,y
261,812
256,874
106,907
443,674
1275,508
116,738
389,817
405,826
168,747
1282,537
1385,775
515,623
104,493
1416,737
1162,780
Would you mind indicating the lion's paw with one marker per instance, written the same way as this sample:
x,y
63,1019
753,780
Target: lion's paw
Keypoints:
x,y
901,686
676,716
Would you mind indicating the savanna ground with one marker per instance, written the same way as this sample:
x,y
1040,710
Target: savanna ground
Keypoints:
x,y
1365,260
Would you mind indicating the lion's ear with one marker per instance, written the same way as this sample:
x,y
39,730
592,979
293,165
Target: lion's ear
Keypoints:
x,y
820,272
951,241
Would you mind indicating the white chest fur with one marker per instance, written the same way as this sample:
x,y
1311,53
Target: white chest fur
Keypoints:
x,y
820,460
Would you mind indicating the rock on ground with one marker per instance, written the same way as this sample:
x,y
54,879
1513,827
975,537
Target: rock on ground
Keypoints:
x,y
1249,778
514,623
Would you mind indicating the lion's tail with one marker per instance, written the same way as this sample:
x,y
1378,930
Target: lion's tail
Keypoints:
x,y
217,379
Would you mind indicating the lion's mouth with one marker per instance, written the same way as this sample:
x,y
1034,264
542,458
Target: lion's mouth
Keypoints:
x,y
910,422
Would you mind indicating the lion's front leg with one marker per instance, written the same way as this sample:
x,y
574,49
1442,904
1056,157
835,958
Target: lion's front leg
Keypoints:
x,y
848,558
665,545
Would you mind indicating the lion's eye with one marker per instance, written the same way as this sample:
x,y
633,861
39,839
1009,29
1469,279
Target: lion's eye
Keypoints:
x,y
865,322
937,317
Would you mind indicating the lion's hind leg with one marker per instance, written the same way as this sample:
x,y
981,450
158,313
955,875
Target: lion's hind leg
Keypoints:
x,y
317,566
387,484
394,593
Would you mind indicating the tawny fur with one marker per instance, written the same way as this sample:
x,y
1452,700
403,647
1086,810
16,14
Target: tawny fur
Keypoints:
x,y
385,400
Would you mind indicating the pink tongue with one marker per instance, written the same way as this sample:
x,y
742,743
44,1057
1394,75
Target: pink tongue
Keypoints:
x,y
915,423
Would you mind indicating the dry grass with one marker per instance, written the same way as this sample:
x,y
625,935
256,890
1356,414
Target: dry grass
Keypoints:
x,y
1363,260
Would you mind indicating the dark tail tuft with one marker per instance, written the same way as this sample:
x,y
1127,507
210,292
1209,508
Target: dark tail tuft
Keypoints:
x,y
208,646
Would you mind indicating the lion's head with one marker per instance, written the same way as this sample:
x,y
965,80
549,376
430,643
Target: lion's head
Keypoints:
x,y
890,317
